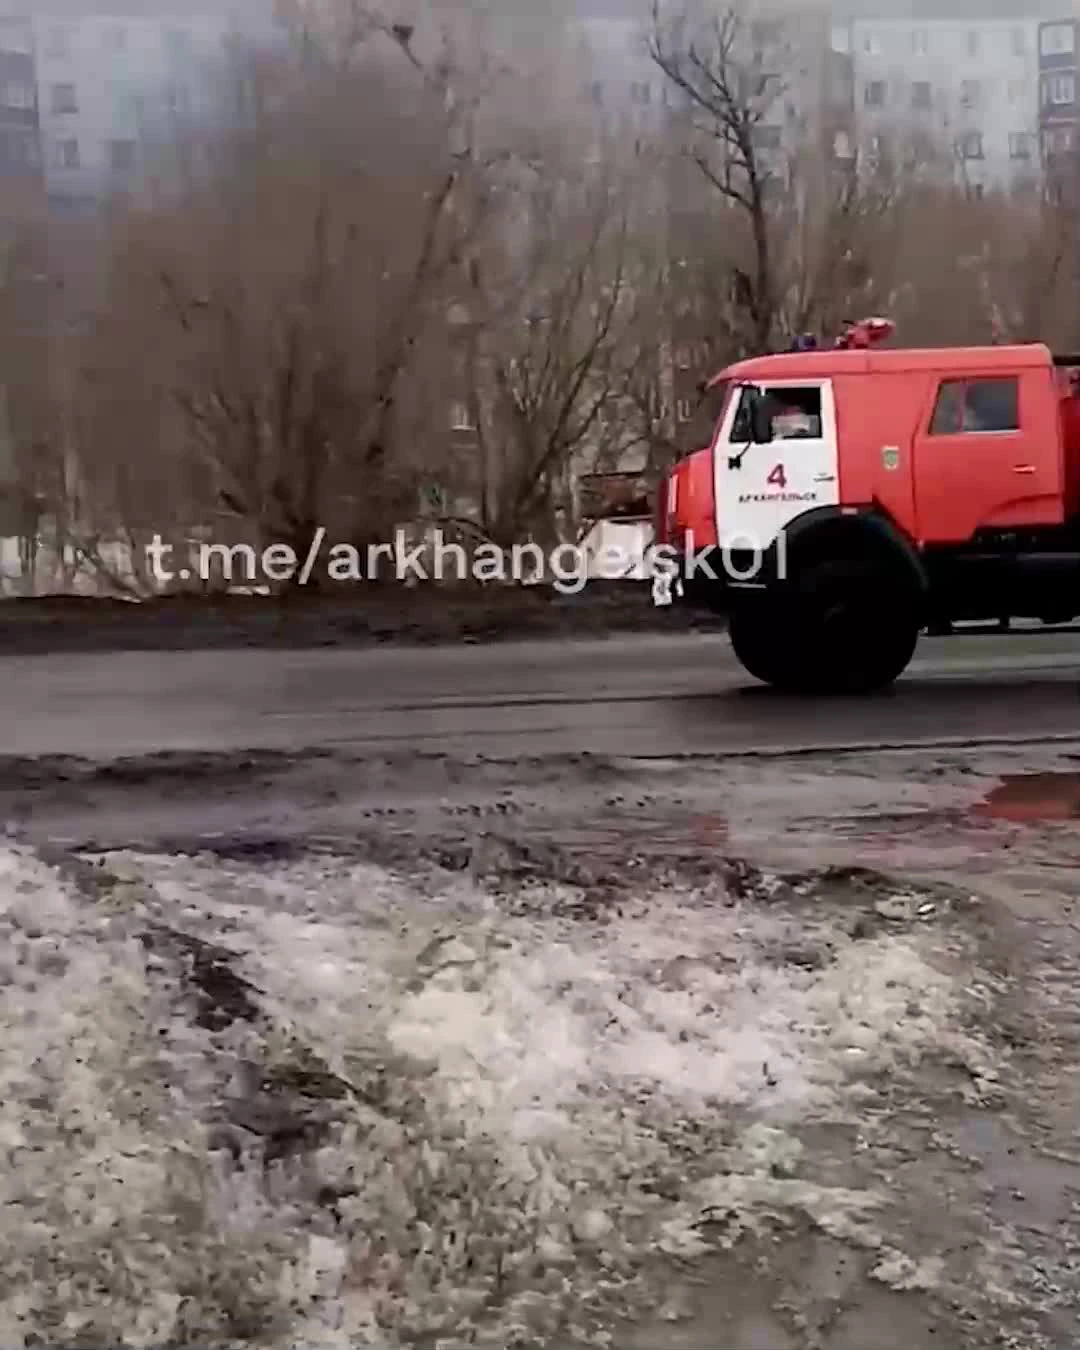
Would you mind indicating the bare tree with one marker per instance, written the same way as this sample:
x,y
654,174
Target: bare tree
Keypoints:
x,y
726,98
294,294
1025,267
554,307
28,422
812,237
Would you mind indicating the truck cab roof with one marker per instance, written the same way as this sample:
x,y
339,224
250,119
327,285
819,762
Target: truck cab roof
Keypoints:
x,y
822,363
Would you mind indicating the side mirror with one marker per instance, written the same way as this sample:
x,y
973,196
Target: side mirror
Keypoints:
x,y
761,418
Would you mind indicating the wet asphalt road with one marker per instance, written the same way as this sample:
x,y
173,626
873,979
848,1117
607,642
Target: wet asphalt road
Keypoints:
x,y
637,695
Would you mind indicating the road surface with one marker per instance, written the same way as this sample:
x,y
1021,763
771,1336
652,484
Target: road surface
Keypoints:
x,y
713,964
635,695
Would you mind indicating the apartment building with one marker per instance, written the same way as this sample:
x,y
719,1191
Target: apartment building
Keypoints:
x,y
88,87
621,83
961,79
20,149
1059,95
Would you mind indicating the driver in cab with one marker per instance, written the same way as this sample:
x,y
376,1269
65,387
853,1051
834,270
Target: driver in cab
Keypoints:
x,y
791,421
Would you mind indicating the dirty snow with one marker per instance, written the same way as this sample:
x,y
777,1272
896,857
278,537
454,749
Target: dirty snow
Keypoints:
x,y
532,1107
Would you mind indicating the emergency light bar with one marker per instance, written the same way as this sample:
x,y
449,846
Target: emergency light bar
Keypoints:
x,y
865,333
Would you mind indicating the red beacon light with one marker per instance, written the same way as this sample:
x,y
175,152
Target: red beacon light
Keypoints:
x,y
865,333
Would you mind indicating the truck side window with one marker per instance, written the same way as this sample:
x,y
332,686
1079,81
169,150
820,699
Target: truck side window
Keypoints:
x,y
965,406
797,415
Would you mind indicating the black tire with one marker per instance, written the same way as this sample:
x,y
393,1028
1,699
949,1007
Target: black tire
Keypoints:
x,y
843,628
857,625
760,639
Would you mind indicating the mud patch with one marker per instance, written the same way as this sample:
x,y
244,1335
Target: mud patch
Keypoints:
x,y
723,977
415,1111
1033,797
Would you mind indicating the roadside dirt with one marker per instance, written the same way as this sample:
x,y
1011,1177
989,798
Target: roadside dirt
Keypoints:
x,y
889,1154
363,616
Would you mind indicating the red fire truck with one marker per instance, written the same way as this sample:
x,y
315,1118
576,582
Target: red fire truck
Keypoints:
x,y
854,496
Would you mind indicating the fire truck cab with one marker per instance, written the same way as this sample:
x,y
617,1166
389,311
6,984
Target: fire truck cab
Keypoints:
x,y
853,497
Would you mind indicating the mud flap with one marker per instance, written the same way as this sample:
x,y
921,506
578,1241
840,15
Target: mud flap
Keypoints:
x,y
665,589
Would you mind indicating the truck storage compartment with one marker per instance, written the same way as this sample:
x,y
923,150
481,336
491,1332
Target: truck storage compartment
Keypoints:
x,y
1070,439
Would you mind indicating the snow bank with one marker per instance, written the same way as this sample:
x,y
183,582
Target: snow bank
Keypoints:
x,y
535,1106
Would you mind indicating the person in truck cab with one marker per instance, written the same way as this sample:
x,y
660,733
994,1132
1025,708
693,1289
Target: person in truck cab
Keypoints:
x,y
793,421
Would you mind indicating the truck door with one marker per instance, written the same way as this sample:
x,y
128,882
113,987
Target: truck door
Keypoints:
x,y
761,488
984,458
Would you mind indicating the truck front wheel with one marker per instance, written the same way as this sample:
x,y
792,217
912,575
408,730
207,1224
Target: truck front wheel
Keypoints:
x,y
858,625
760,638
843,628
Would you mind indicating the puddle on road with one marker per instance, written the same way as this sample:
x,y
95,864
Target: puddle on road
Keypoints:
x,y
675,837
1033,797
1025,798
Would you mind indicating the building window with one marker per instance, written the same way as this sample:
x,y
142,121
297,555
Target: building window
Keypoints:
x,y
18,150
874,94
1060,88
1019,42
116,37
971,145
965,406
684,357
969,93
918,150
461,418
768,86
1057,140
920,94
1017,90
841,39
1020,145
842,147
920,41
17,94
596,92
684,410
973,42
122,156
16,37
641,92
67,154
1057,39
871,44
64,99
